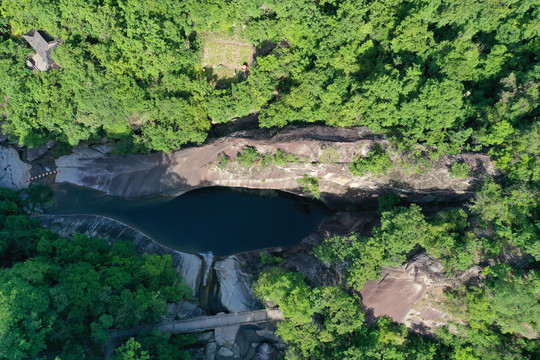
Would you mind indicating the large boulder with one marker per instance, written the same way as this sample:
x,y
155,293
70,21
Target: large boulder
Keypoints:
x,y
226,335
224,352
234,285
35,153
184,309
13,171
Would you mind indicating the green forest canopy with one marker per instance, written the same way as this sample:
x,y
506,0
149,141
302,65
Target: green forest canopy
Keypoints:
x,y
456,75
453,76
494,318
60,296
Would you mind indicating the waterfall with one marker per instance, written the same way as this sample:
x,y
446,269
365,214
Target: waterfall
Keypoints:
x,y
264,351
208,258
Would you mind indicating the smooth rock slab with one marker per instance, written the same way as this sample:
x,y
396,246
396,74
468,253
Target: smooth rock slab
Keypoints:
x,y
224,352
393,294
398,289
325,152
234,285
226,335
13,171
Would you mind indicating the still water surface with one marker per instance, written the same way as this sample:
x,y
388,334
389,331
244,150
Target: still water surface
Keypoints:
x,y
221,220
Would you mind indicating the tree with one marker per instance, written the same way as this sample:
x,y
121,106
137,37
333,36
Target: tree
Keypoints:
x,y
342,312
288,290
62,295
248,156
131,350
400,231
377,162
512,215
310,185
27,315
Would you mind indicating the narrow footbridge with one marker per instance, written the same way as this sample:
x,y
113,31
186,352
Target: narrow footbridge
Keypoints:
x,y
196,324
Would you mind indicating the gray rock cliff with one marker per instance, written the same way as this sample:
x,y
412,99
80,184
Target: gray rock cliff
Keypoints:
x,y
13,171
234,285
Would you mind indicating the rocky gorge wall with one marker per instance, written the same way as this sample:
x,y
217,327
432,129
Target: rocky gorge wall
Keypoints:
x,y
324,153
409,294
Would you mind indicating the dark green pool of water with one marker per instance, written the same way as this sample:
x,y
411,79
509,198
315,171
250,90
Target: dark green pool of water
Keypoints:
x,y
221,220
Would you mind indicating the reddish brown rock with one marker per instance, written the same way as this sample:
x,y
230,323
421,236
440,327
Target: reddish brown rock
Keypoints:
x,y
393,294
324,153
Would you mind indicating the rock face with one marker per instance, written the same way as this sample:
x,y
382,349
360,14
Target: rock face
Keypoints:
x,y
13,171
411,294
300,258
226,335
184,309
188,265
393,294
246,342
35,153
324,152
234,285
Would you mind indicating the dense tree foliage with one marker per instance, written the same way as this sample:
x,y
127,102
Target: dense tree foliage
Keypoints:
x,y
402,229
452,75
512,214
310,185
155,346
496,317
328,323
376,162
61,295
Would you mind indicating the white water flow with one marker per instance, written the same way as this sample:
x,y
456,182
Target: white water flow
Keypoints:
x,y
208,258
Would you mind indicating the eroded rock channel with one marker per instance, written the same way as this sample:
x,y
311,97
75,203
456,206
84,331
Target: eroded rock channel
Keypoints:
x,y
91,179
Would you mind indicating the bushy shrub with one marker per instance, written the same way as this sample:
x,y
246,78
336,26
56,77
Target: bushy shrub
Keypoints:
x,y
223,161
376,162
310,185
460,170
268,259
248,156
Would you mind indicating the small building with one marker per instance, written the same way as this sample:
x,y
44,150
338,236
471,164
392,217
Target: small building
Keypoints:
x,y
41,60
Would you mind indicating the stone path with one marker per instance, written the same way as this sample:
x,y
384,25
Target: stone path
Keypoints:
x,y
195,325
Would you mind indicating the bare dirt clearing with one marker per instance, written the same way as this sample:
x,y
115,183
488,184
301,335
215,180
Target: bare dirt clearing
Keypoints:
x,y
224,56
227,53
